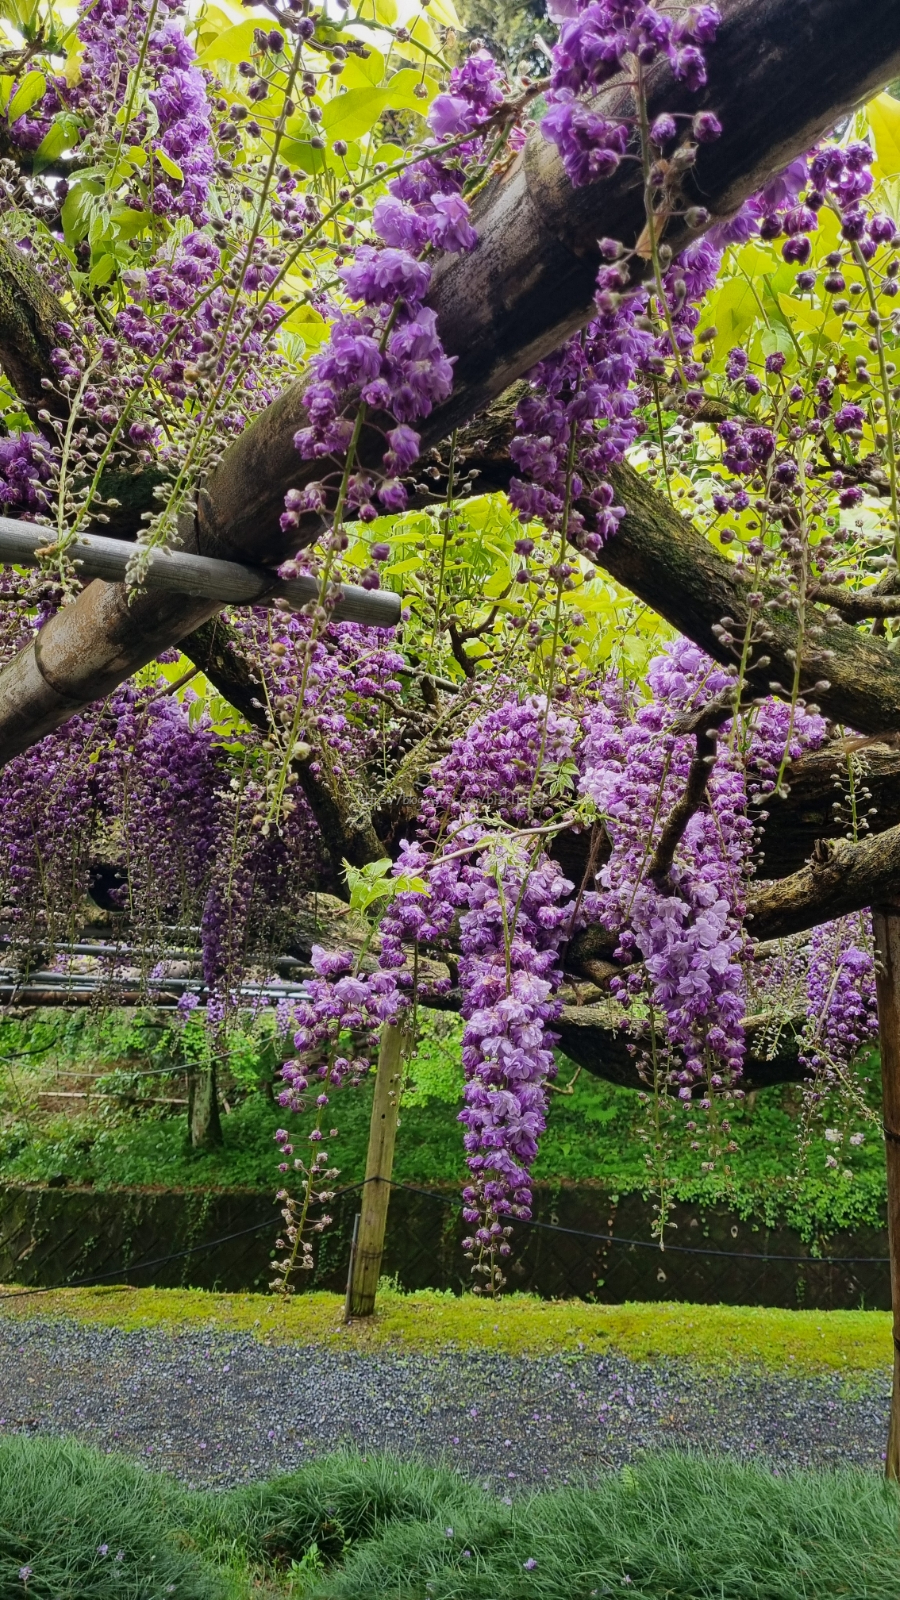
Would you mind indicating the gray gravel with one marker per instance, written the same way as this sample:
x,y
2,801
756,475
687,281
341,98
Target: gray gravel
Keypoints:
x,y
222,1411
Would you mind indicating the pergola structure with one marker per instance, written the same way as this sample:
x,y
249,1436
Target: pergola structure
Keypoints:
x,y
782,74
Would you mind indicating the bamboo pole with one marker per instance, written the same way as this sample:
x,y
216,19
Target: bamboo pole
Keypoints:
x,y
368,1248
887,977
183,572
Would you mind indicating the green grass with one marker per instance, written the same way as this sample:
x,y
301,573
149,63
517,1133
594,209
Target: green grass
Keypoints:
x,y
350,1528
594,1134
60,1504
850,1342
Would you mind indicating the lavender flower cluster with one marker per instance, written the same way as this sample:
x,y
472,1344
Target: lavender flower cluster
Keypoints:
x,y
389,357
596,40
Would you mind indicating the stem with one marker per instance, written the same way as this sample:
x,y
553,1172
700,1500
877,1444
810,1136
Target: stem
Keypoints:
x,y
661,297
863,265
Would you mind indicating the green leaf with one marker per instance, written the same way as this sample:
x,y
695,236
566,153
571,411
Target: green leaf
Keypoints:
x,y
29,92
884,120
814,320
128,223
61,135
354,113
235,44
300,153
401,91
408,565
102,271
360,73
444,11
168,165
379,11
732,311
78,208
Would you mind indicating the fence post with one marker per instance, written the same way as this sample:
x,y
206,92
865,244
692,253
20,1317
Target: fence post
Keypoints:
x,y
886,922
365,1267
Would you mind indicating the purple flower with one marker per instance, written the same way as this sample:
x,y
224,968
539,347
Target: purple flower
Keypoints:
x,y
707,127
849,416
450,226
381,276
450,114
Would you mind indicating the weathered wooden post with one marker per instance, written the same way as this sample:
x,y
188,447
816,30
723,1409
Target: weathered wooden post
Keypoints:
x,y
368,1241
886,921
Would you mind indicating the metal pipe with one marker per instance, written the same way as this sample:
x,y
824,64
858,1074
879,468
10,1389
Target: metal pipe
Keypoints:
x,y
181,572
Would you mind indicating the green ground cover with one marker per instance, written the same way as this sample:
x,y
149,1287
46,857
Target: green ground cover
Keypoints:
x,y
852,1342
594,1132
74,1523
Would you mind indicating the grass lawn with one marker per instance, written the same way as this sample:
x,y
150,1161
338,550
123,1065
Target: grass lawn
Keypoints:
x,y
78,1525
800,1341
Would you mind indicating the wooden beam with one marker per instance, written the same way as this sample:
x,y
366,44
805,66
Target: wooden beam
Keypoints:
x,y
887,980
368,1241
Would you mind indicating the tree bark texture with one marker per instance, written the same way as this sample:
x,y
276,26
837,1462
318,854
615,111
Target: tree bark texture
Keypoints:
x,y
842,877
887,978
780,74
593,1037
29,313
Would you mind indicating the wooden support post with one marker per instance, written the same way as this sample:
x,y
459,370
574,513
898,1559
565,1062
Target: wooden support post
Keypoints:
x,y
887,976
368,1248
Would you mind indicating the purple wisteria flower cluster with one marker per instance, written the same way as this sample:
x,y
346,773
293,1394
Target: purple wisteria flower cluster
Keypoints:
x,y
510,936
597,40
788,207
343,1012
27,463
388,358
583,411
842,1015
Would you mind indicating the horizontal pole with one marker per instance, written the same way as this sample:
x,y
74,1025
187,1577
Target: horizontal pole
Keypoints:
x,y
180,572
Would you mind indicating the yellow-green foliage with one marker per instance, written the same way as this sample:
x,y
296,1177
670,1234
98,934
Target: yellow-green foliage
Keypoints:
x,y
800,1341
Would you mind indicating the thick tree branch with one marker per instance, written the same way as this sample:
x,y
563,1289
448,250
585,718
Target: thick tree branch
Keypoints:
x,y
594,1038
779,77
29,313
661,557
841,878
858,605
684,808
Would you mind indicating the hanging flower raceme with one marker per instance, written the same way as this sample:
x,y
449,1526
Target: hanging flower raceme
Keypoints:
x,y
510,937
595,43
388,356
343,1012
841,1009
685,927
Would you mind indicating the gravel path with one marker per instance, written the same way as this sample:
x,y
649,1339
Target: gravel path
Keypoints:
x,y
222,1411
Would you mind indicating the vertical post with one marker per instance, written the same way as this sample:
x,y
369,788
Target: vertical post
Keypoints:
x,y
365,1267
886,921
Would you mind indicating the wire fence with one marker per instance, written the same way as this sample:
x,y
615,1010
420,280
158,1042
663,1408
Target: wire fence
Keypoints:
x,y
68,1239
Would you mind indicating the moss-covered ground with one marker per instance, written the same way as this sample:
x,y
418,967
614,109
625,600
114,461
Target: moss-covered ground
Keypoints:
x,y
797,1341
